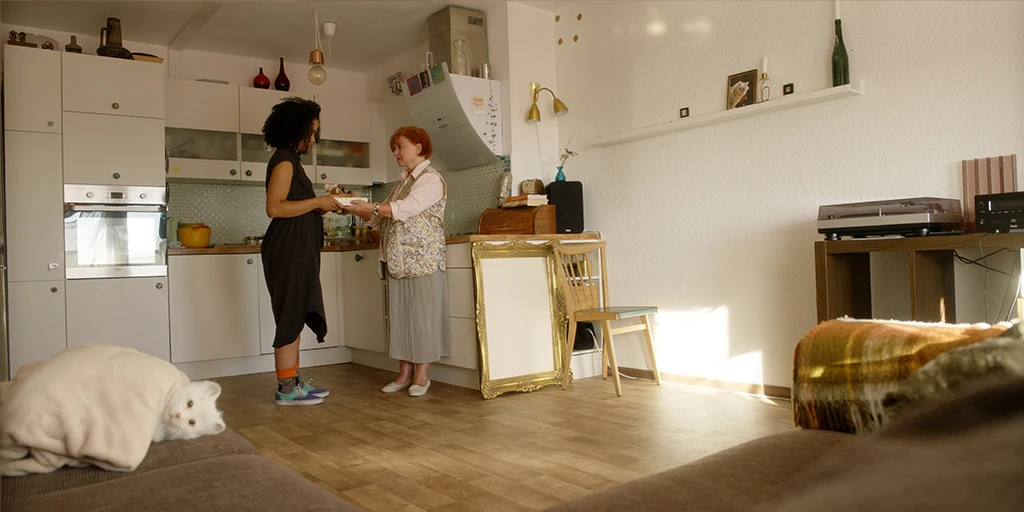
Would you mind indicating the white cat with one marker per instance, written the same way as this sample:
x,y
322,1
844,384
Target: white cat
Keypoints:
x,y
190,413
737,92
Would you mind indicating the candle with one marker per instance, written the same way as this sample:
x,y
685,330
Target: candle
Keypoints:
x,y
764,65
837,10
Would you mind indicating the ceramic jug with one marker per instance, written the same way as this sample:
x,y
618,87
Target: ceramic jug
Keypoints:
x,y
110,35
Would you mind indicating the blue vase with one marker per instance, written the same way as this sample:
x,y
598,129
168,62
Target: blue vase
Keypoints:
x,y
560,176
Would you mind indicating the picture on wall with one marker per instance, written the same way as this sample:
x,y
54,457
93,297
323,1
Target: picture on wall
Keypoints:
x,y
741,87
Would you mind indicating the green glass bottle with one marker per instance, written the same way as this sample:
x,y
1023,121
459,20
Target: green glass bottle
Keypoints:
x,y
840,60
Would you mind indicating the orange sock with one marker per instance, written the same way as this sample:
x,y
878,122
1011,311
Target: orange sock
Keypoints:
x,y
288,373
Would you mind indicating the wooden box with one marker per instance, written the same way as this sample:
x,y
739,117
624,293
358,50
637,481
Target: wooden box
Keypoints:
x,y
529,220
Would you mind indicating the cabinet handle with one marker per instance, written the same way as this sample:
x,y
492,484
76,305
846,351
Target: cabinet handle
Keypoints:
x,y
233,172
249,261
359,257
53,290
49,123
116,106
117,175
159,286
323,176
52,266
248,173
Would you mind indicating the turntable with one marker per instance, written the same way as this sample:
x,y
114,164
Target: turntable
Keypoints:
x,y
919,216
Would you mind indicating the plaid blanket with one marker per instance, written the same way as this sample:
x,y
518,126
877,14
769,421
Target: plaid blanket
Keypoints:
x,y
842,369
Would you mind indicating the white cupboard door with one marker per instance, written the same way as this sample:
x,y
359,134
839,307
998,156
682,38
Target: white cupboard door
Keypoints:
x,y
268,327
31,89
254,106
214,307
201,105
307,340
345,119
113,150
344,175
36,323
34,195
461,294
464,344
102,85
363,300
131,312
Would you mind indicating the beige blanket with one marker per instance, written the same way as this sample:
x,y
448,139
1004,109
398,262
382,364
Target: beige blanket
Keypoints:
x,y
89,404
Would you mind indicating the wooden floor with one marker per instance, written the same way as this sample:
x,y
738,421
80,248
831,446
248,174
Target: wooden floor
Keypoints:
x,y
453,451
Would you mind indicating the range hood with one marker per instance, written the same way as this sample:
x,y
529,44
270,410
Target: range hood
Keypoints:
x,y
462,115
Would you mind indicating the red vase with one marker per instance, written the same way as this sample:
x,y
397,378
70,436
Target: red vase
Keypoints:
x,y
282,83
261,81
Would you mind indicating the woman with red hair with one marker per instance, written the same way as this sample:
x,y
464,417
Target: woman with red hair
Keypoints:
x,y
412,259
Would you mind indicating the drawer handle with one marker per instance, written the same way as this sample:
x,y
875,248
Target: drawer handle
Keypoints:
x,y
116,106
249,261
53,290
159,286
117,175
233,172
49,123
248,173
323,176
52,266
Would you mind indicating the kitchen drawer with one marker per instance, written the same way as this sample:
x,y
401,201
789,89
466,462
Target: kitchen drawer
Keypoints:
x,y
103,85
465,348
459,256
461,296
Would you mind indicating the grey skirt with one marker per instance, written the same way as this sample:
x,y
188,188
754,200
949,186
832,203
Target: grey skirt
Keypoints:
x,y
418,328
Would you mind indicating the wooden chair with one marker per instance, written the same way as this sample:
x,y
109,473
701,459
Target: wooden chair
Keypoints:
x,y
586,300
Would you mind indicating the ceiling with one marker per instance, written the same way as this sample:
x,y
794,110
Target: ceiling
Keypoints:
x,y
369,31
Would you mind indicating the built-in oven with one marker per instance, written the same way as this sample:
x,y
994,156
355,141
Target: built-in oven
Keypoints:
x,y
114,231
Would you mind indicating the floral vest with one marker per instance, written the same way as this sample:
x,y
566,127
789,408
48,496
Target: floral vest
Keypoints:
x,y
415,247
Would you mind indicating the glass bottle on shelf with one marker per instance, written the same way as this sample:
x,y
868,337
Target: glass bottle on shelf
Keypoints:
x,y
460,65
840,60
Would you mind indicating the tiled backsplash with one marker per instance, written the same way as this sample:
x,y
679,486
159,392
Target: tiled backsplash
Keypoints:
x,y
234,212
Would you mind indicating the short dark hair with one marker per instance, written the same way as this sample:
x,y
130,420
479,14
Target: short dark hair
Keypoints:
x,y
290,123
415,135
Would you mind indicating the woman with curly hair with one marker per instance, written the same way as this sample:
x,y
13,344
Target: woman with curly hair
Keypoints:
x,y
292,244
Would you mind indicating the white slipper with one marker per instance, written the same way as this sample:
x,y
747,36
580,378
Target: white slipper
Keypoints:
x,y
415,390
392,387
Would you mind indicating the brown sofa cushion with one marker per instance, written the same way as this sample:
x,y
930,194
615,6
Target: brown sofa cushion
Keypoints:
x,y
160,455
235,483
737,479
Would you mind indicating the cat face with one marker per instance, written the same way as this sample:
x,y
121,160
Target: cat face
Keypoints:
x,y
192,411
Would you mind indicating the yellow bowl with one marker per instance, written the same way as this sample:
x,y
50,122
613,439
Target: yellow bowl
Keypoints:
x,y
195,237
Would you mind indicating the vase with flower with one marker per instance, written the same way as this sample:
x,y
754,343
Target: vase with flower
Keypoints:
x,y
567,154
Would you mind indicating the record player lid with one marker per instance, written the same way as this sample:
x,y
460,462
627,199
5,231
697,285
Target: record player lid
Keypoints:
x,y
889,207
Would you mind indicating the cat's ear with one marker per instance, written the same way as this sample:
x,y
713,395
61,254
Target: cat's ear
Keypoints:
x,y
218,426
210,388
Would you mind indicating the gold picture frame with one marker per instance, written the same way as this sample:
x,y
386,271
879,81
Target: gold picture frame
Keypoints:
x,y
521,349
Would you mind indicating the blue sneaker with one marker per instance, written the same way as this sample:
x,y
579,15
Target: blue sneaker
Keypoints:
x,y
297,396
319,393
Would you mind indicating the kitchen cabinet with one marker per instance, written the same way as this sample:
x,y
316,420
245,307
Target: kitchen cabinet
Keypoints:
x,y
462,307
201,130
130,312
464,345
214,307
34,196
461,297
363,301
120,87
254,106
111,150
307,340
31,89
379,152
345,119
343,154
36,323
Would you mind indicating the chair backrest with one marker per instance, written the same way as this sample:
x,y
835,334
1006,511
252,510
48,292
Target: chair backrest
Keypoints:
x,y
583,288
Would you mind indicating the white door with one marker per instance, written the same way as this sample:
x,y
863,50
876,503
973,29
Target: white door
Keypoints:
x,y
345,119
36,322
201,106
363,301
35,214
113,150
31,89
307,340
343,175
131,312
214,307
103,85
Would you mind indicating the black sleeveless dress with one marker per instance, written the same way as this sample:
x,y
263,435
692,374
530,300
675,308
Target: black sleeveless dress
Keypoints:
x,y
291,261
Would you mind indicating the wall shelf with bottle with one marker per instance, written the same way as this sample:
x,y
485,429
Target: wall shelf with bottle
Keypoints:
x,y
688,123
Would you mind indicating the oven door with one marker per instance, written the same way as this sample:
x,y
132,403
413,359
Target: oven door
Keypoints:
x,y
114,241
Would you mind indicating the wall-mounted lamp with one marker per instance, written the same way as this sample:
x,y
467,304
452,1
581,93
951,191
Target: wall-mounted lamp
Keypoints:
x,y
533,115
317,74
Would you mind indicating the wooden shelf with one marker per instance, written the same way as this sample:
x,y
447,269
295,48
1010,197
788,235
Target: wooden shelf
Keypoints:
x,y
687,123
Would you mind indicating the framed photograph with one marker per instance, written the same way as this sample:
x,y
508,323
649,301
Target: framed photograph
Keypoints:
x,y
424,79
684,112
741,90
787,89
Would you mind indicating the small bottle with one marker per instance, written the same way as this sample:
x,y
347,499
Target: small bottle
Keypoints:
x,y
460,65
504,187
840,60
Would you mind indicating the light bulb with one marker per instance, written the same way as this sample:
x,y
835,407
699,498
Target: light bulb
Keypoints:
x,y
317,75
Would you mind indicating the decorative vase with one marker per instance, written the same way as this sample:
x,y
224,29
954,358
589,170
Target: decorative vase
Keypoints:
x,y
282,83
261,81
560,176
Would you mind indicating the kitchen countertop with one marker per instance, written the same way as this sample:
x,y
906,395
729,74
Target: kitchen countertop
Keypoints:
x,y
255,249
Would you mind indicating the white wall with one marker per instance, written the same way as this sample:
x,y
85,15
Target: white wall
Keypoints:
x,y
238,71
716,225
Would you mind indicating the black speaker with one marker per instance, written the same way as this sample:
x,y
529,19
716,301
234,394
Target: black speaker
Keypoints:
x,y
567,196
